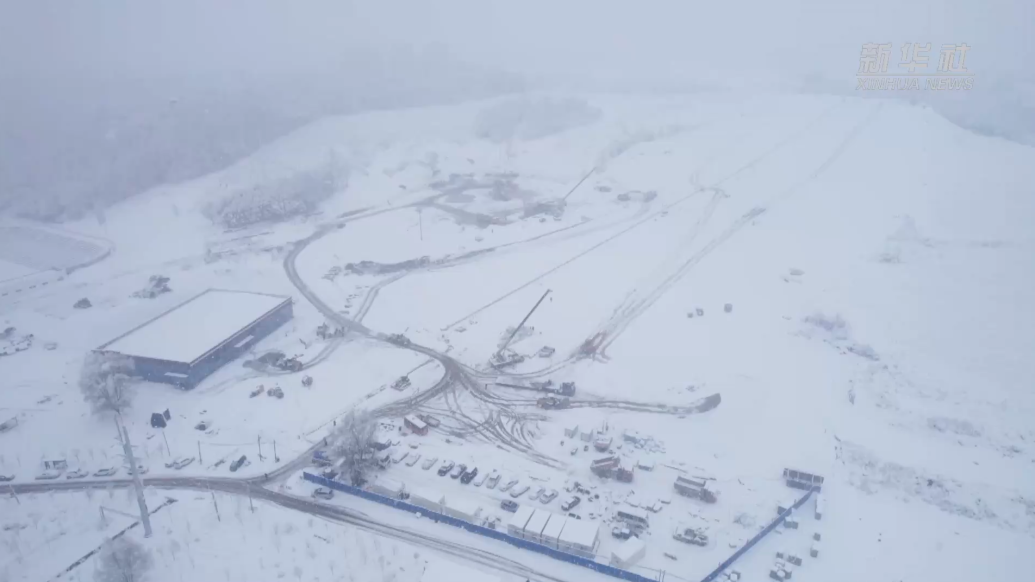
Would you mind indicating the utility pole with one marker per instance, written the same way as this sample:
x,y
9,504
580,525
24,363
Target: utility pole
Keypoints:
x,y
534,307
216,505
167,450
200,460
276,459
127,447
260,447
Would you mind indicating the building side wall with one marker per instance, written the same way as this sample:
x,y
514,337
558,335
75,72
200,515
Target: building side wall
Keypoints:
x,y
231,350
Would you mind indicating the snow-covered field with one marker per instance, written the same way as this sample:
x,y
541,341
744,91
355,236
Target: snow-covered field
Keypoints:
x,y
199,537
876,259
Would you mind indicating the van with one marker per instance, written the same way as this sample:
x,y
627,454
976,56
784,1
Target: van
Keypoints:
x,y
323,493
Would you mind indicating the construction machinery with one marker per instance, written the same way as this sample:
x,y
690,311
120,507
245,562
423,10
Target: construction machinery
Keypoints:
x,y
552,403
689,535
694,487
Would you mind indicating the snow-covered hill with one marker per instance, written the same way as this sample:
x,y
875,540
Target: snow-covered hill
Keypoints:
x,y
877,260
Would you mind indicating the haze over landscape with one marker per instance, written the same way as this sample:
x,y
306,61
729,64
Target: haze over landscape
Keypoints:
x,y
544,291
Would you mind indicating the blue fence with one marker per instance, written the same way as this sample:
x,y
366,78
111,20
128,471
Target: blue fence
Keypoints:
x,y
546,550
758,537
492,533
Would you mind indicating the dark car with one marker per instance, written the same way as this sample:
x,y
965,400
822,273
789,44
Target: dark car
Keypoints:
x,y
459,470
509,505
469,476
445,468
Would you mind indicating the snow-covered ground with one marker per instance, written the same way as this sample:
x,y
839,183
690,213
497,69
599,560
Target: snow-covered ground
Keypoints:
x,y
201,537
876,258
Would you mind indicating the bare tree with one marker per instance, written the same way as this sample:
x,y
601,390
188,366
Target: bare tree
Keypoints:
x,y
353,443
123,560
106,382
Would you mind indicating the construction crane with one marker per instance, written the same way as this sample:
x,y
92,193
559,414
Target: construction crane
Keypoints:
x,y
520,325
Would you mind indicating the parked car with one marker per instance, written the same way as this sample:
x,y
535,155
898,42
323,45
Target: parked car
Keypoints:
x,y
480,479
429,463
412,460
76,474
536,493
519,490
446,467
6,478
548,496
179,462
239,463
621,532
457,471
323,493
509,505
493,480
509,484
141,469
571,503
469,476
49,474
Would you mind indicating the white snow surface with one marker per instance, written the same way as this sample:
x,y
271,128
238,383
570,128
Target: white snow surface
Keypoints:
x,y
192,329
878,261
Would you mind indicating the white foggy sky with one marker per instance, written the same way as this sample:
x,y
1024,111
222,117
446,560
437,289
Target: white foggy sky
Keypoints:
x,y
566,39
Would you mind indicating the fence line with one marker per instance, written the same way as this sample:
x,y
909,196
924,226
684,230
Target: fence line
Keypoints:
x,y
758,537
539,548
491,533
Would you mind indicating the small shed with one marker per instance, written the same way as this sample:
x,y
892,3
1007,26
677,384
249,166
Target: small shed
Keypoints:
x,y
552,531
579,537
516,526
628,553
572,432
645,465
427,498
536,524
416,425
387,487
464,508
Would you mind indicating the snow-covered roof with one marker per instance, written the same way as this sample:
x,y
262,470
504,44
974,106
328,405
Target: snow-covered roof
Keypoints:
x,y
427,495
580,533
420,424
552,531
192,329
521,517
537,522
445,571
630,550
465,505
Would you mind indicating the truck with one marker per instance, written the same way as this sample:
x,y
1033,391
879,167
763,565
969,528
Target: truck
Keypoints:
x,y
320,459
689,535
552,403
695,488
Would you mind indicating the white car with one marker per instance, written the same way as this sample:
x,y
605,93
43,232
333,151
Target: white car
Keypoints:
x,y
480,479
493,480
548,496
412,460
49,474
519,490
179,463
106,472
429,463
536,493
323,493
76,474
141,469
4,478
510,484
